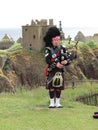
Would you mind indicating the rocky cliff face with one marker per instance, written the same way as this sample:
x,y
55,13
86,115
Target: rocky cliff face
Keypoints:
x,y
26,69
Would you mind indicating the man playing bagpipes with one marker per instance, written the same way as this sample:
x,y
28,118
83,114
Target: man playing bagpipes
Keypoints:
x,y
56,57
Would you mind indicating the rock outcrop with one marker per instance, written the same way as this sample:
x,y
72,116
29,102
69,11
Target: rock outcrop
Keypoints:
x,y
26,69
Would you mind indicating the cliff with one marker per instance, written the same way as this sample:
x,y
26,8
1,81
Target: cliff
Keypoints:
x,y
26,69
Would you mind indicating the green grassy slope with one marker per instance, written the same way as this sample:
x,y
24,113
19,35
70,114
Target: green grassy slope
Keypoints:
x,y
28,110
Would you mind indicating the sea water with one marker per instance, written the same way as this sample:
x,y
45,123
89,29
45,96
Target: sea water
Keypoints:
x,y
15,33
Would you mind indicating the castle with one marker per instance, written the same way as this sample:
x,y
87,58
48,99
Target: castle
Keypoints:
x,y
33,34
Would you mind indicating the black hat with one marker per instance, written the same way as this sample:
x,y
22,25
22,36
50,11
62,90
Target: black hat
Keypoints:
x,y
52,32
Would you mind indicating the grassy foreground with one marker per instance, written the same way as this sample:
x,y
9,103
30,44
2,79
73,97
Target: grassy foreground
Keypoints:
x,y
28,110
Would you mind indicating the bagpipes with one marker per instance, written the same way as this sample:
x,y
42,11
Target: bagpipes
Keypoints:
x,y
58,57
70,55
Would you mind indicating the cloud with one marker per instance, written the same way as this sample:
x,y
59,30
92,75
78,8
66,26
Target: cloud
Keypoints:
x,y
72,13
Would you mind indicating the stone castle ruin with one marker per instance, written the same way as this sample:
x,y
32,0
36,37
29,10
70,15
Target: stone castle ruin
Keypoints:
x,y
86,39
6,42
33,34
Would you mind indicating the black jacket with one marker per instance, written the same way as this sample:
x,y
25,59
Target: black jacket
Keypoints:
x,y
53,55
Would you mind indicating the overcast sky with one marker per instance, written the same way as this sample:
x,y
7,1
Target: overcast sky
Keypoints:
x,y
72,13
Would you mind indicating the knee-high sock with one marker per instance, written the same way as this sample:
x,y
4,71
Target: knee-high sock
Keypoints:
x,y
58,93
51,94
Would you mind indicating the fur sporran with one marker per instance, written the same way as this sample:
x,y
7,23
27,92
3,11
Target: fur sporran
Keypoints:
x,y
57,80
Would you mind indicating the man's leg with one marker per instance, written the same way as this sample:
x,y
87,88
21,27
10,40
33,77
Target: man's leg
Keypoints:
x,y
58,94
51,94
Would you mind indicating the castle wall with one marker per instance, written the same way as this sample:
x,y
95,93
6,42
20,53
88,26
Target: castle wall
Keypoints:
x,y
32,37
33,34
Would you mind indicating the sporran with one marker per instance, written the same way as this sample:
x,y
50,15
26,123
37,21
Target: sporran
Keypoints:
x,y
57,80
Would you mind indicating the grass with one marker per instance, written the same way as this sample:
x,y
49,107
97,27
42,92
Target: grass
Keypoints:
x,y
28,110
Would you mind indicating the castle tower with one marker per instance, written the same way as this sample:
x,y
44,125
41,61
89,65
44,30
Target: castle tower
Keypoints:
x,y
33,34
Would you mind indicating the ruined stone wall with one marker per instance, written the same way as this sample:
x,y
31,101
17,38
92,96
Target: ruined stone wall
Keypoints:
x,y
32,37
91,38
80,37
6,45
33,34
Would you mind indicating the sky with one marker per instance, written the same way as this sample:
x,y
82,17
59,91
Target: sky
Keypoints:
x,y
72,13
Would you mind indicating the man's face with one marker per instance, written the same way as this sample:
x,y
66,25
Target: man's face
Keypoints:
x,y
56,41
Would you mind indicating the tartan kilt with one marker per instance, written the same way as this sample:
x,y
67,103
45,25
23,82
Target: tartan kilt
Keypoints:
x,y
49,81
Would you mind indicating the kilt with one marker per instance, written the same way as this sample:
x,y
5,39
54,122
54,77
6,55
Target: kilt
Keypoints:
x,y
49,81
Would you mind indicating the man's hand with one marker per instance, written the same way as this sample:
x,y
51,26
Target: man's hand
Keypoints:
x,y
58,65
64,62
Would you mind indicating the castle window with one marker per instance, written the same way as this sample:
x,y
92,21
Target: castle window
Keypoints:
x,y
26,29
30,46
33,36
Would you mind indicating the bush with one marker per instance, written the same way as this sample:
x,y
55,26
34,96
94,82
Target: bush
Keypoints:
x,y
91,44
